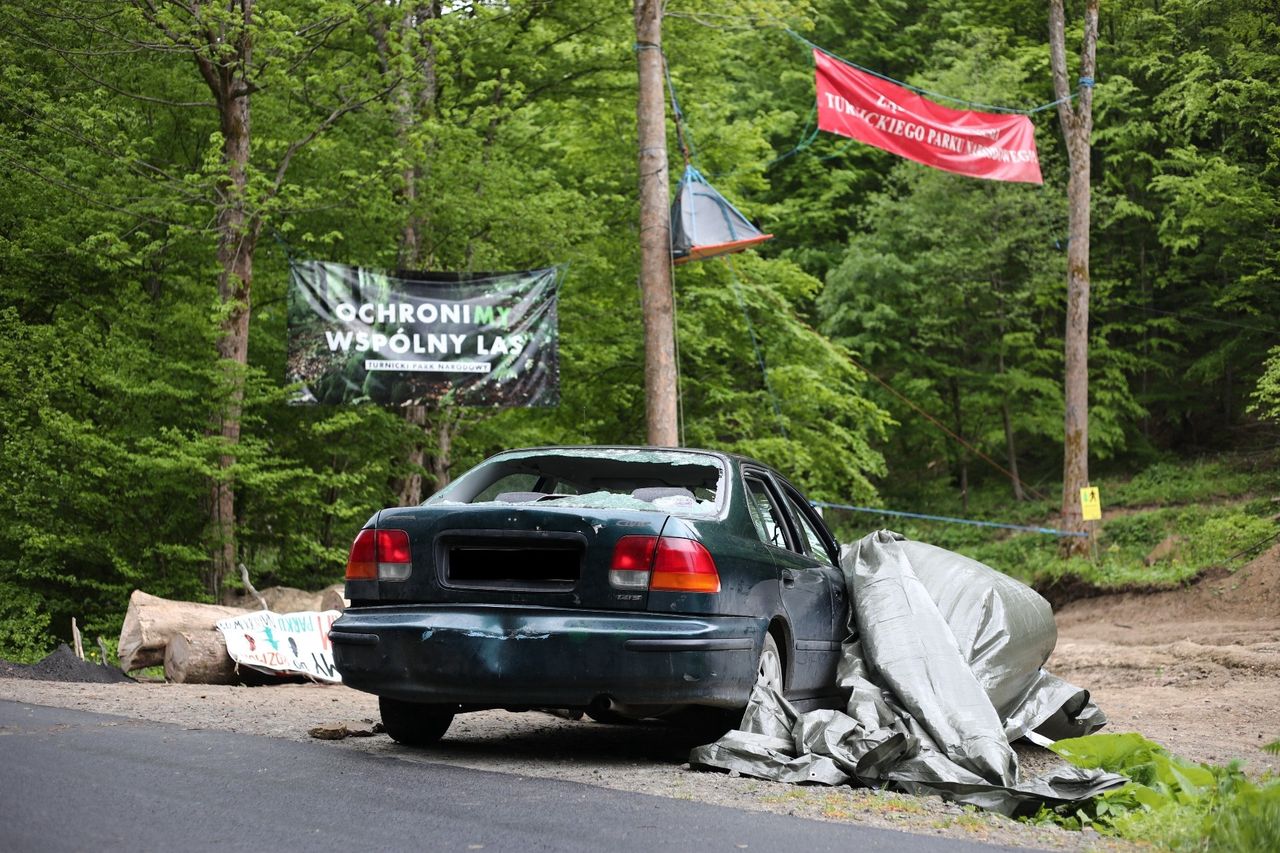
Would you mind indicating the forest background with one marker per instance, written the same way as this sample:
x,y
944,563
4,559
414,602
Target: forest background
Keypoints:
x,y
501,135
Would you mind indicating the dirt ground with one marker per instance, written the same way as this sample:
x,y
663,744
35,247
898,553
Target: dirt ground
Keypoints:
x,y
1197,670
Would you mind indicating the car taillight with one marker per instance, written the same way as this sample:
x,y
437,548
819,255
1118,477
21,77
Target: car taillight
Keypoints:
x,y
683,565
664,564
394,559
362,563
632,559
380,555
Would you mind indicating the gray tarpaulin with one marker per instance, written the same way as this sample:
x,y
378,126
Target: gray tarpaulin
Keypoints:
x,y
943,668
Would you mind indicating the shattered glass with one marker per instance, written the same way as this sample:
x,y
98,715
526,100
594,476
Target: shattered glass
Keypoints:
x,y
673,481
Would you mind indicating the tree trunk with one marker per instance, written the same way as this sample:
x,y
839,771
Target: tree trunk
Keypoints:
x,y
199,657
1077,128
963,454
151,621
656,296
237,240
236,246
411,486
442,461
1018,494
1010,448
411,106
222,47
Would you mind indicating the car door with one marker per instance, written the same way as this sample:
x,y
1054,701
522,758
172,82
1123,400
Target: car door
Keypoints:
x,y
821,546
805,586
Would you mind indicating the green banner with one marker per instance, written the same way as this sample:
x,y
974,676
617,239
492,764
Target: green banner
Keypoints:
x,y
423,338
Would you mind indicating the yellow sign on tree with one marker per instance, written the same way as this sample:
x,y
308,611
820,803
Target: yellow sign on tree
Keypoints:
x,y
1090,504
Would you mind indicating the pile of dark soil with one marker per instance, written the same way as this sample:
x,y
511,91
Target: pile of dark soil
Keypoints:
x,y
63,665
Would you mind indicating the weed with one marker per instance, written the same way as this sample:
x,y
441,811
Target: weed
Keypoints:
x,y
971,822
835,812
891,804
790,795
1170,802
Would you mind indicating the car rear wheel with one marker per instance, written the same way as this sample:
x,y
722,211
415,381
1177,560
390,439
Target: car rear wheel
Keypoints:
x,y
769,670
413,723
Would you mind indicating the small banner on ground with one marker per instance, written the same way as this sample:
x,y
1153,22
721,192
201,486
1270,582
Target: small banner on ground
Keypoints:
x,y
283,643
423,338
862,106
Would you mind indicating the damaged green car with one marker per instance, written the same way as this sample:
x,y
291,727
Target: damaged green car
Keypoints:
x,y
621,581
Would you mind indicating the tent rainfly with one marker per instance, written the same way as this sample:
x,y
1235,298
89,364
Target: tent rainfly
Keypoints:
x,y
704,224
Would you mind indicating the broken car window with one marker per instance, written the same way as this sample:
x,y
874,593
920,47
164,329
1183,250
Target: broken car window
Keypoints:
x,y
764,515
817,548
677,482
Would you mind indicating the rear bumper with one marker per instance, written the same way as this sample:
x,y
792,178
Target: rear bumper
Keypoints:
x,y
497,656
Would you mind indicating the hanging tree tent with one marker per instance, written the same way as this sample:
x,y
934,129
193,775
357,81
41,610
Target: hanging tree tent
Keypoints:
x,y
704,224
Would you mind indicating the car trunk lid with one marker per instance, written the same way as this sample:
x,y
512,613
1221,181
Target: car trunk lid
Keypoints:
x,y
514,554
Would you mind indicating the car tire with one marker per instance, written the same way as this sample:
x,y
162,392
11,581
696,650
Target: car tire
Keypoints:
x,y
769,670
413,723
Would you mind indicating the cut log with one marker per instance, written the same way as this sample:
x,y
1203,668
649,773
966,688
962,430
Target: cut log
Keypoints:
x,y
199,657
151,621
331,598
284,599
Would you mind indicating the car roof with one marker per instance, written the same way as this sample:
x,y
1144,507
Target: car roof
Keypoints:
x,y
734,457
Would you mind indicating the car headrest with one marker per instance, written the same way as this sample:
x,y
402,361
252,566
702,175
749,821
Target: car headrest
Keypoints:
x,y
518,497
653,493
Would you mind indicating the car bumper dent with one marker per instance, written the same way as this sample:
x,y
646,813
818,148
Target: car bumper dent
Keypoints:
x,y
499,656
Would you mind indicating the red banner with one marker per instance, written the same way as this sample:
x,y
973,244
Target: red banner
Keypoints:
x,y
862,106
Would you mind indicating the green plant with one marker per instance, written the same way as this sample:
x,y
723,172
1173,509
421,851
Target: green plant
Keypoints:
x,y
1171,802
25,634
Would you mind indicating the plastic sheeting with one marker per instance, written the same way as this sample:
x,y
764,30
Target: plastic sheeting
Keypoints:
x,y
943,668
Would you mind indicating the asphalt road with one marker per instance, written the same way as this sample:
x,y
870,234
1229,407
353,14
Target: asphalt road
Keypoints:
x,y
75,781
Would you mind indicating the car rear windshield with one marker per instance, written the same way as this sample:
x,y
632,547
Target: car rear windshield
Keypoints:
x,y
676,482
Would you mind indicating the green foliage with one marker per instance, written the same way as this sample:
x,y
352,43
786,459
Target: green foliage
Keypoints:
x,y
1187,109
1210,505
1266,399
1170,802
503,136
798,404
1168,483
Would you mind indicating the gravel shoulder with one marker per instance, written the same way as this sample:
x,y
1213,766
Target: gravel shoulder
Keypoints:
x,y
1197,670
641,758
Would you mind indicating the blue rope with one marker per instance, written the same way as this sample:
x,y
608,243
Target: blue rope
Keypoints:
x,y
938,95
1049,530
688,149
807,138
